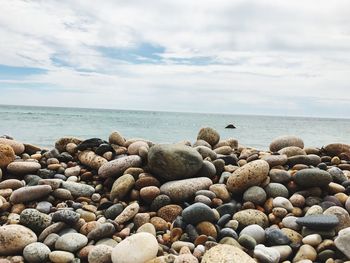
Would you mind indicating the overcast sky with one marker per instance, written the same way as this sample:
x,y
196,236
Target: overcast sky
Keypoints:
x,y
252,57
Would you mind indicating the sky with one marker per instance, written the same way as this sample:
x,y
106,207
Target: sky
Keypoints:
x,y
268,57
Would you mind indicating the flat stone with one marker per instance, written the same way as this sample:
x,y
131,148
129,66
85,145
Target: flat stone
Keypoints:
x,y
321,222
71,242
22,168
30,193
118,166
78,189
312,177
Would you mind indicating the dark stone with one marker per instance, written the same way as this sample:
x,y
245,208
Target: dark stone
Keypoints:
x,y
312,177
32,179
191,232
159,202
90,143
103,148
113,211
230,126
228,159
46,173
67,216
65,157
275,237
319,222
228,208
224,219
198,212
227,232
337,175
104,230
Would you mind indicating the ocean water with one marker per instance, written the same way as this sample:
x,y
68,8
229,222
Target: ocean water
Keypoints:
x,y
44,125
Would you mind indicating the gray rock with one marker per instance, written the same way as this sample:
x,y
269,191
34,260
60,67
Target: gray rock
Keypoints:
x,y
65,215
318,222
312,177
104,230
276,189
113,211
198,212
71,242
34,219
255,194
30,193
118,166
342,242
279,176
78,189
36,252
255,231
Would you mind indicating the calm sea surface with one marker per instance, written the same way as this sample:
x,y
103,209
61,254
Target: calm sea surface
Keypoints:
x,y
44,125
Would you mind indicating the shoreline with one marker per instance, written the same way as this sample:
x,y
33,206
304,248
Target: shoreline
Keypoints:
x,y
97,200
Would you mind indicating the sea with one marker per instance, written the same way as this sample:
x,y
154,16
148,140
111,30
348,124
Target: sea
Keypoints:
x,y
42,126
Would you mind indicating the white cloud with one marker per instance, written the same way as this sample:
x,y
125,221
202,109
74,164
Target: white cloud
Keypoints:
x,y
265,57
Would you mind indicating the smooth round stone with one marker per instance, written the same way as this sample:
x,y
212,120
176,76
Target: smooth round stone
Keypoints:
x,y
293,235
305,252
65,215
17,147
276,189
35,220
247,241
275,237
174,161
290,222
50,240
177,245
342,242
285,141
226,253
207,228
148,228
22,168
113,211
206,193
320,222
36,252
198,212
149,193
266,254
11,183
227,232
61,257
337,175
335,149
275,160
314,210
341,214
118,166
251,216
78,189
202,199
312,177
279,176
312,240
107,241
227,209
209,135
183,190
292,151
30,193
71,242
44,207
139,247
7,155
284,250
14,238
100,254
347,204
102,231
206,152
169,212
255,194
250,174
116,138
255,231
122,186
310,159
91,159
221,192
128,213
282,202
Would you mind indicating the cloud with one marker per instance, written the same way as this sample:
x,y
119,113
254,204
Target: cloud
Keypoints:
x,y
258,57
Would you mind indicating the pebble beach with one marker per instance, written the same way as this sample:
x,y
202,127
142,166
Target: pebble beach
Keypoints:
x,y
210,200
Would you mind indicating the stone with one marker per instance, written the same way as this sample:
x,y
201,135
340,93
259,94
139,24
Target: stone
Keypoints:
x,y
305,252
71,242
169,212
134,147
293,235
209,135
266,254
72,171
174,161
44,207
292,151
67,216
148,228
318,222
282,202
128,213
35,220
78,189
102,231
341,214
100,254
143,246
312,240
23,167
279,176
14,238
226,253
184,190
17,147
198,212
113,211
116,138
250,174
122,186
342,242
275,160
61,256
251,216
285,141
206,152
36,252
91,159
7,155
247,241
255,194
221,192
275,237
337,175
61,143
290,222
335,149
149,193
30,193
118,166
276,189
284,251
255,231
312,177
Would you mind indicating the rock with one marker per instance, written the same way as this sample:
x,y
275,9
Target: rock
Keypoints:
x,y
118,166
290,222
149,193
100,254
143,246
312,240
44,207
209,135
292,151
318,222
255,231
275,237
61,257
276,190
22,168
221,192
285,141
312,177
71,242
102,231
226,253
78,189
279,176
72,171
206,152
255,194
30,193
135,147
342,242
251,174
275,160
7,155
284,251
337,175
305,252
198,212
266,254
282,202
335,149
14,238
293,235
184,190
247,241
116,138
61,144
128,213
35,220
36,252
91,159
169,212
122,186
148,228
113,211
67,216
11,183
251,216
342,214
17,147
174,161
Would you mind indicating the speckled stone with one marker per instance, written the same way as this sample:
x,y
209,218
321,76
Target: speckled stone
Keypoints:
x,y
36,252
226,253
71,242
312,177
321,222
251,216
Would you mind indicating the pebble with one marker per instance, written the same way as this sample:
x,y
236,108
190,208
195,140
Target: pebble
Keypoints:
x,y
251,216
341,214
275,237
148,228
255,194
143,246
30,193
321,222
118,166
305,252
279,176
35,220
122,186
247,241
169,212
67,216
102,231
14,238
71,242
312,240
286,141
198,212
312,177
209,135
78,189
183,190
255,231
266,254
22,168
113,211
128,213
282,202
61,256
17,147
276,190
226,253
36,252
342,242
100,254
7,155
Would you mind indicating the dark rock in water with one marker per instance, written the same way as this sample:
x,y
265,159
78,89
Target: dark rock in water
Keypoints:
x,y
275,237
198,212
230,126
320,222
90,143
